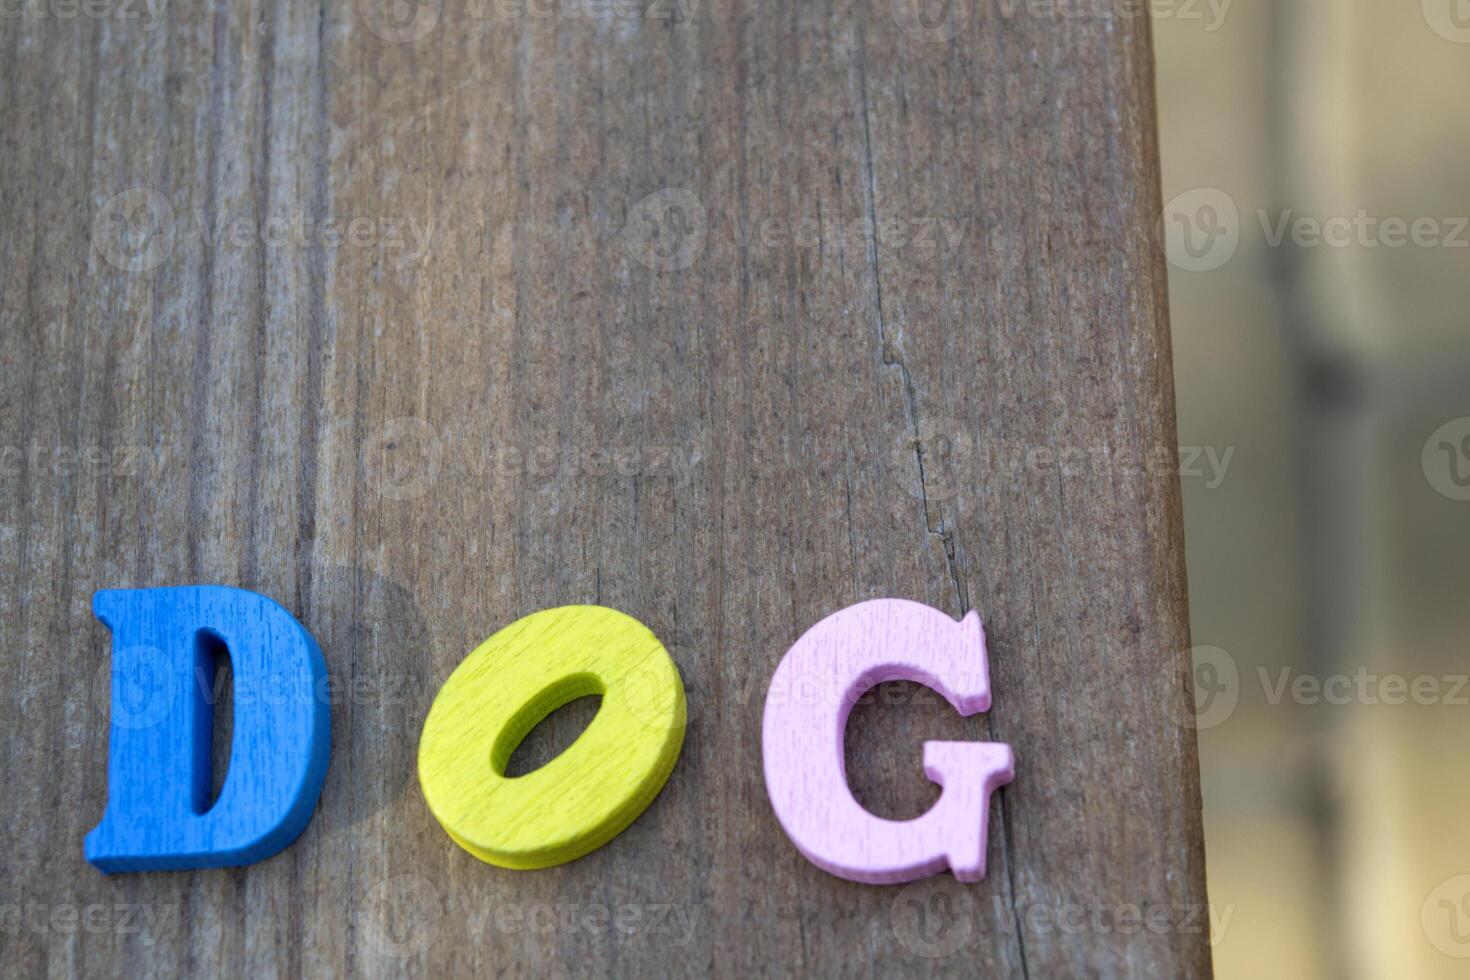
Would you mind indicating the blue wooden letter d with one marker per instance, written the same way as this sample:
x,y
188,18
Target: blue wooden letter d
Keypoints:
x,y
164,645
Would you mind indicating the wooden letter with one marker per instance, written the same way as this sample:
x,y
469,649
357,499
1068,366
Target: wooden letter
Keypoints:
x,y
158,815
811,695
587,795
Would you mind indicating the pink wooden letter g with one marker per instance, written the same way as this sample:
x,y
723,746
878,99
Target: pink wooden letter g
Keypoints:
x,y
811,694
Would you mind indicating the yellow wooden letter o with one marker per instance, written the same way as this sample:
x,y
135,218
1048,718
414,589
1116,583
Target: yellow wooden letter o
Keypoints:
x,y
587,795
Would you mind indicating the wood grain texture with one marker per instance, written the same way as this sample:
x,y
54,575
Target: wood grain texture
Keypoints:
x,y
917,347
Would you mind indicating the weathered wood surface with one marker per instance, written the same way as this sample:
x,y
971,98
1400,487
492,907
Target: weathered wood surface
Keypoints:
x,y
902,333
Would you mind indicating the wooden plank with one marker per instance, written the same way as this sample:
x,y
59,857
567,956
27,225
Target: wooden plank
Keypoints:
x,y
903,334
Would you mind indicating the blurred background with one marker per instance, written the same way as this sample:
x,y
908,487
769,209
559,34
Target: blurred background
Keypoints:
x,y
1318,197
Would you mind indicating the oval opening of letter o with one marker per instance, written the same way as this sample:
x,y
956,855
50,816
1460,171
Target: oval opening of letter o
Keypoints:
x,y
587,795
